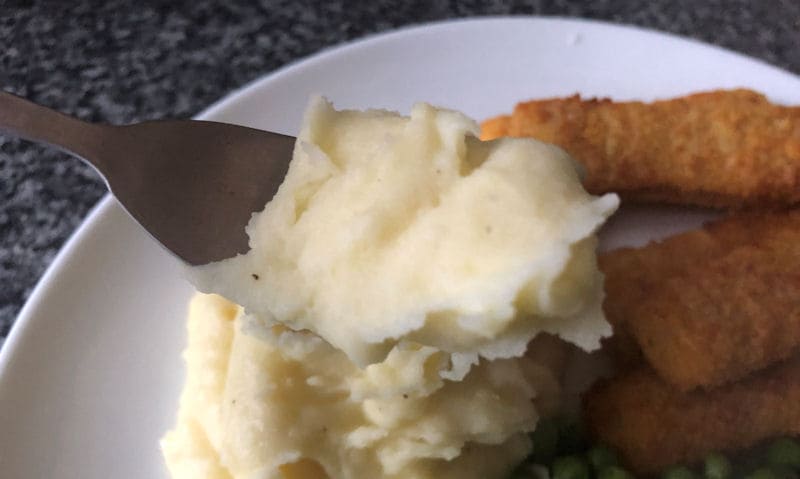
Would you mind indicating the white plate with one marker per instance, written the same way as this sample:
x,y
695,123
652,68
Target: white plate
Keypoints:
x,y
90,375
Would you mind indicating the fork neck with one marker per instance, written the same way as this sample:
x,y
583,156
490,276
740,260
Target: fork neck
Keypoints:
x,y
37,123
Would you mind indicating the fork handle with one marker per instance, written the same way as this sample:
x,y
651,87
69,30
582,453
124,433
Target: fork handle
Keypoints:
x,y
40,124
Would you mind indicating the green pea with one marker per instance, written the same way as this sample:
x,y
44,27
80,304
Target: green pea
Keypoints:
x,y
717,466
614,472
545,440
678,472
784,452
601,457
762,473
570,467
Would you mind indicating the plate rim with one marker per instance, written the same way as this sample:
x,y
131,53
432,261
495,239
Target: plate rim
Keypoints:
x,y
232,97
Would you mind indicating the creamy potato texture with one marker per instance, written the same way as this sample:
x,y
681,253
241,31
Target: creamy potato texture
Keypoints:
x,y
390,229
394,307
280,404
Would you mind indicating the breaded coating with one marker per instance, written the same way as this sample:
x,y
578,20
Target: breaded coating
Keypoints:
x,y
496,127
633,274
711,306
725,148
654,425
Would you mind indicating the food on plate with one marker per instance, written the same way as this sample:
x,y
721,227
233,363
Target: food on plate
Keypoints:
x,y
279,403
409,291
496,127
710,306
710,348
390,229
400,307
653,425
706,324
724,148
632,274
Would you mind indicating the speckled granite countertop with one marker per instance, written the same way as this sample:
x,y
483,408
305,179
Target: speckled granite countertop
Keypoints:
x,y
122,61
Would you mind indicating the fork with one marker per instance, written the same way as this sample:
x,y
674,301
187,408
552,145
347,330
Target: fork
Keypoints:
x,y
193,185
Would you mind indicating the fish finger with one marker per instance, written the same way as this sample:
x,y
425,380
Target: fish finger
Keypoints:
x,y
726,313
723,148
633,274
653,425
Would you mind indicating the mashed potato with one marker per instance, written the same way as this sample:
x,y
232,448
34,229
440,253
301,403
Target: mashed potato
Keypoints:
x,y
285,404
391,290
391,228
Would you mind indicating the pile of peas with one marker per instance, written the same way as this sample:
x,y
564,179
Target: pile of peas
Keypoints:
x,y
561,451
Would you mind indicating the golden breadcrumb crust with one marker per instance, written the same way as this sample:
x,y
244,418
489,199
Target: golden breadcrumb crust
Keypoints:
x,y
724,148
653,425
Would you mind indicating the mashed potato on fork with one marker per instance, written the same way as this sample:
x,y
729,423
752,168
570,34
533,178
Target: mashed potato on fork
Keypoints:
x,y
391,290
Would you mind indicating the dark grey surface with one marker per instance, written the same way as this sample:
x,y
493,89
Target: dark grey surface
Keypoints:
x,y
124,61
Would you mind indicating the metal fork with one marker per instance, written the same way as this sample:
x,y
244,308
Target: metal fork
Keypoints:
x,y
193,185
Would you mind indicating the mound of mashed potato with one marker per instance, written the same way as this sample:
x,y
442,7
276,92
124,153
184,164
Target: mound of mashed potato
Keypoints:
x,y
391,228
398,307
287,405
